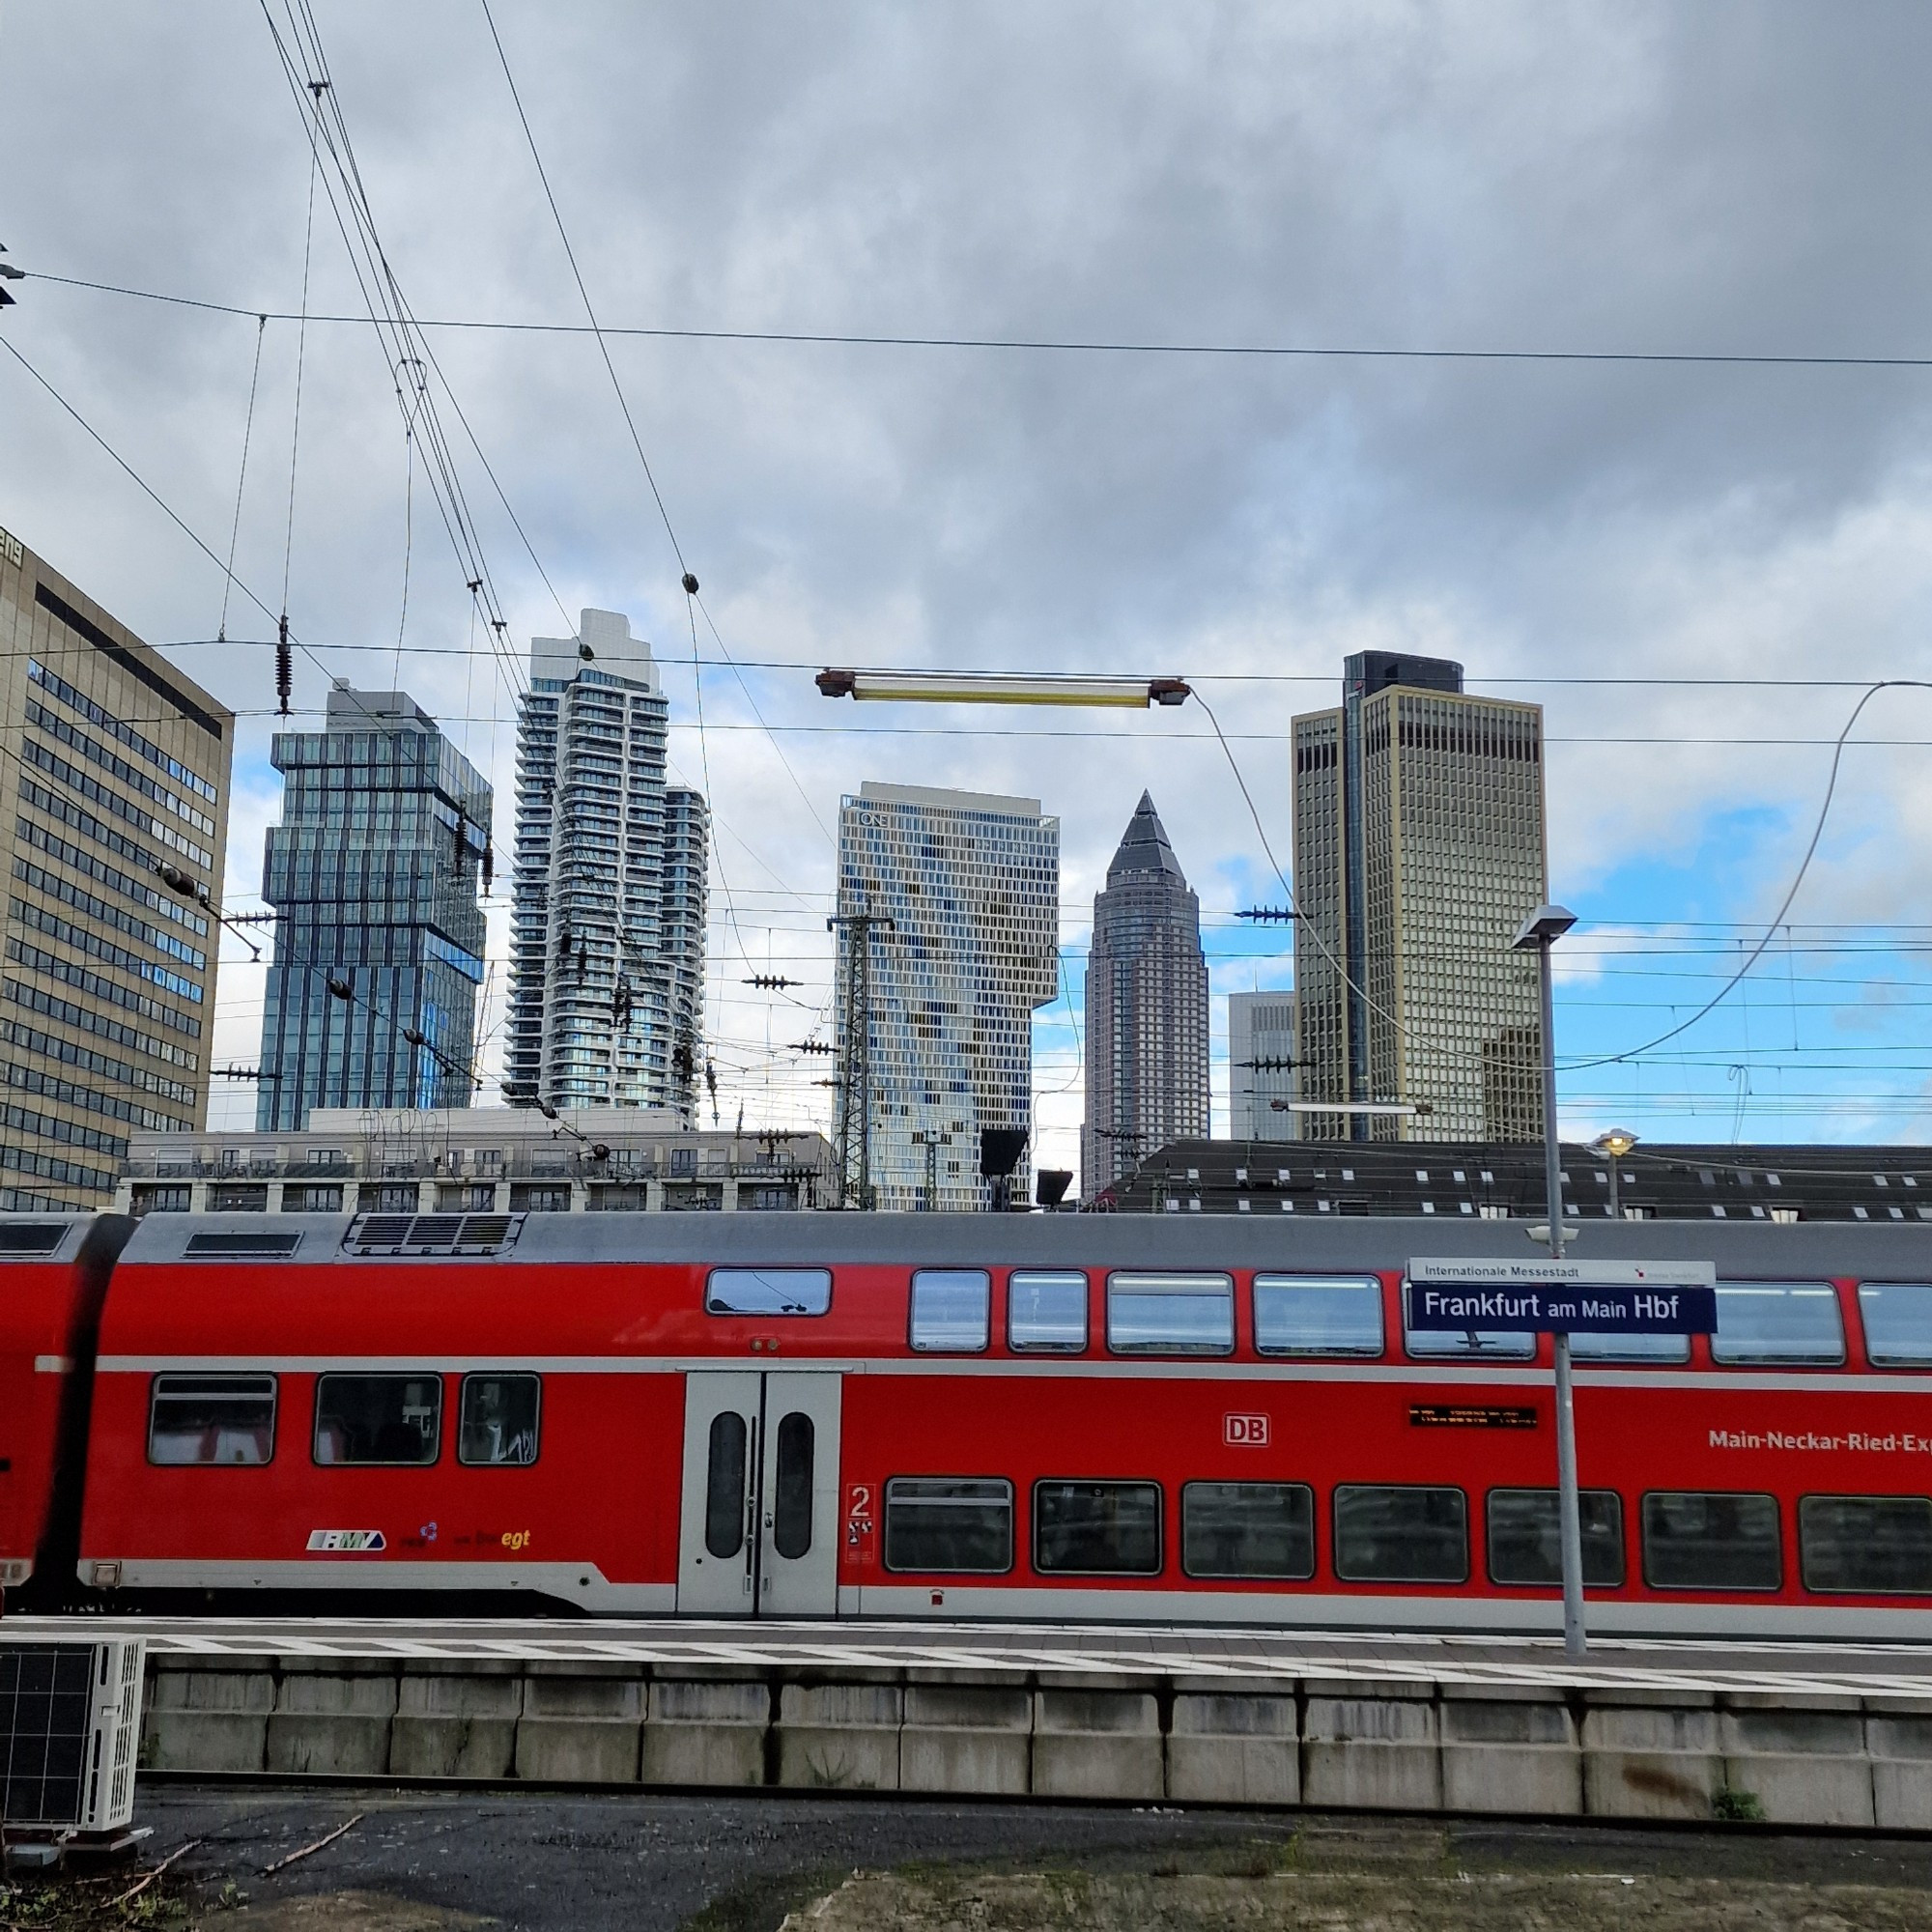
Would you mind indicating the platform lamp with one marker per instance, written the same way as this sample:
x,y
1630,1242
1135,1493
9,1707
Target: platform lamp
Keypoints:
x,y
1613,1143
972,686
1539,932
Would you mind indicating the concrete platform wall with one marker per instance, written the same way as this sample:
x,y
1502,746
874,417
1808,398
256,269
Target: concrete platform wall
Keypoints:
x,y
1374,1745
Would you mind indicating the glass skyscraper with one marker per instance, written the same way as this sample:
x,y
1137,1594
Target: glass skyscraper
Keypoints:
x,y
1146,1008
1418,853
374,873
607,935
971,884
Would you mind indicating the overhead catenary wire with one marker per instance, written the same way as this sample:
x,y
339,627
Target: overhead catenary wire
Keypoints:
x,y
687,578
583,293
1353,351
242,478
304,65
1766,682
153,495
1541,681
1757,952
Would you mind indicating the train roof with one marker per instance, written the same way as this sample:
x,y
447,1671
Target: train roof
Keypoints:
x,y
1743,1249
61,1237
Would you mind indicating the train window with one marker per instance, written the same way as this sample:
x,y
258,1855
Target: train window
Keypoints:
x,y
724,1484
791,1505
498,1421
1873,1545
1778,1322
1526,1546
1401,1535
1096,1529
1630,1348
395,1419
1879,1545
1711,1542
1317,1314
31,1237
949,1522
952,1310
211,1419
1491,1344
1046,1313
1247,1529
774,1290
1897,1318
1171,1314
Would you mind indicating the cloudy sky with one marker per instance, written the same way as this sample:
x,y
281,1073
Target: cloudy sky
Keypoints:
x,y
1702,177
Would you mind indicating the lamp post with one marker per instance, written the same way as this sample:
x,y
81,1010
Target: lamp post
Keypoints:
x,y
1613,1143
1540,931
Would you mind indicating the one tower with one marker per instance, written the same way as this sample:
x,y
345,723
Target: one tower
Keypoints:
x,y
112,848
1146,1008
372,873
1262,1066
956,896
607,971
1419,849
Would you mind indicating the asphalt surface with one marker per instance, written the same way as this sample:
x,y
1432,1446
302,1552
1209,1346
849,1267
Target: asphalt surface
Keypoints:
x,y
561,1863
1705,1665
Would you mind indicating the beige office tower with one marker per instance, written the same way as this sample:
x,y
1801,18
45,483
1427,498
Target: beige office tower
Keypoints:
x,y
1419,850
116,773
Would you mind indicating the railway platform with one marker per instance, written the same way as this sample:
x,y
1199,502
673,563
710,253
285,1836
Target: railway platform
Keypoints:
x,y
1802,1734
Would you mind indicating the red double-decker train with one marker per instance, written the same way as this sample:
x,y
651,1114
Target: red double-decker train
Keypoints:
x,y
1028,1416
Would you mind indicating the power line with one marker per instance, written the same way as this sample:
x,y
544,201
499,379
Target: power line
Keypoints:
x,y
1194,677
151,494
247,436
1068,345
389,313
1770,932
577,275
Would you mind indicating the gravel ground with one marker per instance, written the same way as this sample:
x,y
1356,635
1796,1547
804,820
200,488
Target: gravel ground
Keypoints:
x,y
536,1861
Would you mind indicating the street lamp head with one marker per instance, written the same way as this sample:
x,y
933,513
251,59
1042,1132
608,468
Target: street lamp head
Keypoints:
x,y
1616,1142
1546,923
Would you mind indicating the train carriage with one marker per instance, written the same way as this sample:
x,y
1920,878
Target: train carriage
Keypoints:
x,y
53,1275
1041,1417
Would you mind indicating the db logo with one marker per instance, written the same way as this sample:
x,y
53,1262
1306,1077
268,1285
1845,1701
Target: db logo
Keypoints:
x,y
1244,1432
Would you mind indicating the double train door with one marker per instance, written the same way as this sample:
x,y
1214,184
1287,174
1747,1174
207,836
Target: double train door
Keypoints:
x,y
757,1530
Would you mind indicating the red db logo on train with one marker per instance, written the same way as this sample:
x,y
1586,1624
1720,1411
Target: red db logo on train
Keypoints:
x,y
1244,1432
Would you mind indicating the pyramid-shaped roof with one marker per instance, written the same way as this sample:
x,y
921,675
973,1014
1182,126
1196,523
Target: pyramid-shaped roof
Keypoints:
x,y
1144,846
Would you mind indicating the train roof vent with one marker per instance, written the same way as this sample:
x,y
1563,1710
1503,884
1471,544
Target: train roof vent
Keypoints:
x,y
255,1242
31,1237
433,1233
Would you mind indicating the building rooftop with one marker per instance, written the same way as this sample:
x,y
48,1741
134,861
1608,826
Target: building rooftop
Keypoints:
x,y
1144,846
1657,1181
950,801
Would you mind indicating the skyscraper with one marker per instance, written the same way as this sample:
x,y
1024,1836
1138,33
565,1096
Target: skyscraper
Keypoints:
x,y
374,873
1262,1066
1146,1008
607,973
113,859
970,883
1419,850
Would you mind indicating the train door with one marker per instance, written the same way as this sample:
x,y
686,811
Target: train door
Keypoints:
x,y
757,1528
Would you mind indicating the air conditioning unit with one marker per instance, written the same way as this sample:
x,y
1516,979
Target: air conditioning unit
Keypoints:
x,y
69,1729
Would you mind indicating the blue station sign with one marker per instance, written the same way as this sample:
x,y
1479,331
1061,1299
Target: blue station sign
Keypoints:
x,y
1459,1295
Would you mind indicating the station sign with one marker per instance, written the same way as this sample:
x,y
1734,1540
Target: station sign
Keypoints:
x,y
1539,1295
